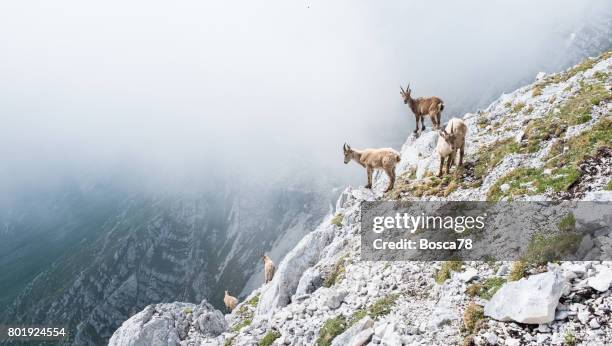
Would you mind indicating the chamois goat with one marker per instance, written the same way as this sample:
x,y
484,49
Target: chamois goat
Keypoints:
x,y
451,139
371,159
269,269
230,301
422,107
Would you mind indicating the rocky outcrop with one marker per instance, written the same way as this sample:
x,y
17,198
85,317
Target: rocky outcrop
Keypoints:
x,y
532,300
278,292
324,291
170,324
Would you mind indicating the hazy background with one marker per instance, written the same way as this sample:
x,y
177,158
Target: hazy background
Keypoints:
x,y
168,90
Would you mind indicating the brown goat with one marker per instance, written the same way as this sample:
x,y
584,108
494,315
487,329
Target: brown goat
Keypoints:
x,y
451,139
371,159
230,301
422,107
269,269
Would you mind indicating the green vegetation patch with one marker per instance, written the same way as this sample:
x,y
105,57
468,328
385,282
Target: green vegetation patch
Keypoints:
x,y
473,289
330,329
434,186
569,339
269,338
563,166
585,65
253,301
609,186
517,271
548,248
583,145
490,286
337,220
491,155
531,181
337,274
243,323
567,223
472,316
446,269
383,306
518,107
575,111
188,310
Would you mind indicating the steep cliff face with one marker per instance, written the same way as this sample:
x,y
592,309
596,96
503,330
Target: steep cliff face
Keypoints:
x,y
549,140
149,248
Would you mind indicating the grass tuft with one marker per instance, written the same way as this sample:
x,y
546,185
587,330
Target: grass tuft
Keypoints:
x,y
337,220
472,315
269,338
330,329
336,275
446,269
490,287
517,271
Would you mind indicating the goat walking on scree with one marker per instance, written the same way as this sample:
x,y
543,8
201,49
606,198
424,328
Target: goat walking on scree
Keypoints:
x,y
422,107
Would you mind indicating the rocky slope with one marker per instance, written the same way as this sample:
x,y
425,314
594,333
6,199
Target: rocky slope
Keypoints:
x,y
546,141
136,249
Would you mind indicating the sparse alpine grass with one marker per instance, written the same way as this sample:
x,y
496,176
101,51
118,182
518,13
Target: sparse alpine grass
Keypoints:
x,y
269,338
446,269
330,329
337,220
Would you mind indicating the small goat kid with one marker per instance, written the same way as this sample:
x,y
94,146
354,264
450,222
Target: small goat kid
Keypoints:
x,y
230,301
269,269
450,140
371,159
422,107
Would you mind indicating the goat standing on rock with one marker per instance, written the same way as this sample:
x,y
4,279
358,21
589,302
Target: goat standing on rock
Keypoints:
x,y
423,106
450,140
269,269
371,159
230,301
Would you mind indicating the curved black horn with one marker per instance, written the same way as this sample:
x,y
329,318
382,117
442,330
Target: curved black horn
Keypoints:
x,y
451,131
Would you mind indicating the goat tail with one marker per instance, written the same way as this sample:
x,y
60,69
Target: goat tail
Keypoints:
x,y
441,106
398,157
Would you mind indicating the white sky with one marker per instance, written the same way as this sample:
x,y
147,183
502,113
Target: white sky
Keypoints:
x,y
199,86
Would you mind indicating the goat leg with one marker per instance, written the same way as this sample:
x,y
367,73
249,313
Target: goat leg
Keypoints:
x,y
369,186
461,156
441,166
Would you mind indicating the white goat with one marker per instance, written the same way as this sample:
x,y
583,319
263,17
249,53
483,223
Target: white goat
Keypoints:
x,y
371,159
450,140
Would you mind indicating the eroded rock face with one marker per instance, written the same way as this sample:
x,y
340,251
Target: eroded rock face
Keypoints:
x,y
279,291
170,324
531,300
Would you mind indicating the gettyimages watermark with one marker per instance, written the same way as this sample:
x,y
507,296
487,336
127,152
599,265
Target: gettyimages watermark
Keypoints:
x,y
503,231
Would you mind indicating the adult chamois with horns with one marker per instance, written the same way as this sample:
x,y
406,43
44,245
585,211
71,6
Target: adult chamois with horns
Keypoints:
x,y
422,107
371,159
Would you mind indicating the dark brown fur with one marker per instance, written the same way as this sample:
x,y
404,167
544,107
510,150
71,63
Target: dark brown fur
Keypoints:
x,y
422,107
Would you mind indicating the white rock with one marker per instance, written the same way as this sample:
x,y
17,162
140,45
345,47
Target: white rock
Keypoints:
x,y
583,316
305,254
513,342
502,271
331,297
602,280
350,334
504,187
594,324
167,324
468,275
531,300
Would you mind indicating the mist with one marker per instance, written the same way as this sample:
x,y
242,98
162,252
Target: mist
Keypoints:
x,y
256,89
